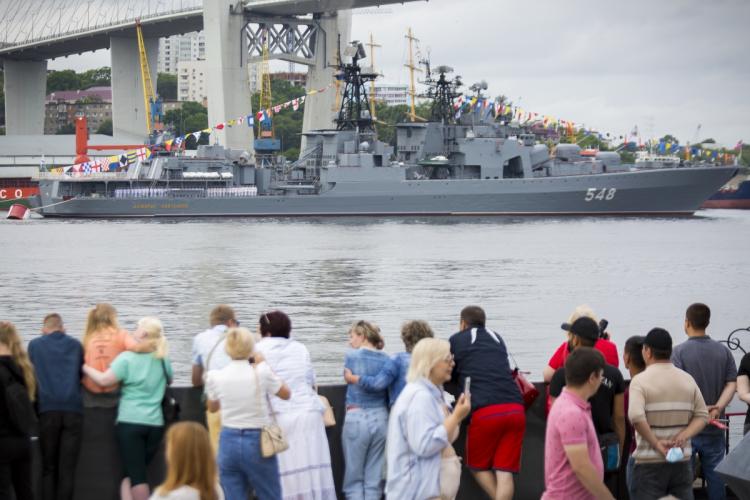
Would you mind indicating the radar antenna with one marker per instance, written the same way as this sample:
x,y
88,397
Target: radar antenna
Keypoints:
x,y
354,113
442,92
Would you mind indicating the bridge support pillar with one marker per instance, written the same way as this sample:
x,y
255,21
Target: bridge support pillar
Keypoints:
x,y
320,108
25,91
227,81
128,107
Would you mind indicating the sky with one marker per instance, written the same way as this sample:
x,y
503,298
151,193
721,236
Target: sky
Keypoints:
x,y
664,66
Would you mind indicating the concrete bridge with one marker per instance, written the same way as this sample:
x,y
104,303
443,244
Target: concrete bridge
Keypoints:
x,y
301,31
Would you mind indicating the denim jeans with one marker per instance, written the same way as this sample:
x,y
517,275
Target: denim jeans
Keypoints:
x,y
711,449
242,467
363,441
652,481
629,475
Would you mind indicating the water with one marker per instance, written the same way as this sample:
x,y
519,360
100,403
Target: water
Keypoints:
x,y
528,274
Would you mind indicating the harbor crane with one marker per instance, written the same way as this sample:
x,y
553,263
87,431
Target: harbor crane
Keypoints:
x,y
153,103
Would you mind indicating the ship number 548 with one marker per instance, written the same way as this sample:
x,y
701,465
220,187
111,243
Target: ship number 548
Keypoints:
x,y
600,194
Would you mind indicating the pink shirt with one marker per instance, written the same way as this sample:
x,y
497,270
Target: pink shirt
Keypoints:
x,y
569,423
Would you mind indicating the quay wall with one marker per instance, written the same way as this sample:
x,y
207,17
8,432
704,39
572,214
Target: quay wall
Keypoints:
x,y
99,469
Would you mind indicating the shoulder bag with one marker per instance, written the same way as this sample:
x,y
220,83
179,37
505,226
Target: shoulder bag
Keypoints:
x,y
450,468
529,393
170,408
272,440
329,419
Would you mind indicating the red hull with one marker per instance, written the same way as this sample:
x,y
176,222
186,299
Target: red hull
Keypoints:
x,y
744,204
13,193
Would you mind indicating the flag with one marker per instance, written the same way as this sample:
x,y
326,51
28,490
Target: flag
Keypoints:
x,y
295,104
302,100
197,135
142,153
220,126
206,131
240,120
250,120
738,147
168,144
178,141
132,156
277,109
230,123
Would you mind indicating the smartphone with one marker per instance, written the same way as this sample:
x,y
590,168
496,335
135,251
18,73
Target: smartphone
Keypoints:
x,y
467,385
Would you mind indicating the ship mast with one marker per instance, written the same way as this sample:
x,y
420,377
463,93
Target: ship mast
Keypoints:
x,y
442,92
355,106
372,46
412,69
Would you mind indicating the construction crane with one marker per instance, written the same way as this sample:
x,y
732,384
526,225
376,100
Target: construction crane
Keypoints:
x,y
152,102
266,145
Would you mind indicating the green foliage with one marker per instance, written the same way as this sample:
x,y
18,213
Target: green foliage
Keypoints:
x,y
100,77
191,117
627,157
708,141
66,129
62,80
669,138
287,124
105,128
388,116
166,86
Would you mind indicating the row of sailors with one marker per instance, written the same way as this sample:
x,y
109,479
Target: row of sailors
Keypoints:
x,y
230,192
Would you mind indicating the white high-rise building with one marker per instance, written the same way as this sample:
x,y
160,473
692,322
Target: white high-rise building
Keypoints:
x,y
391,94
191,81
178,48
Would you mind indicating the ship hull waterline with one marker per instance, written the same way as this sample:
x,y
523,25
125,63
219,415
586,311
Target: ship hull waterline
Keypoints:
x,y
664,192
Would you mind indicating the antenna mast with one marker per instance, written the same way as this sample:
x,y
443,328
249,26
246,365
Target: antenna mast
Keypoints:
x,y
412,69
372,46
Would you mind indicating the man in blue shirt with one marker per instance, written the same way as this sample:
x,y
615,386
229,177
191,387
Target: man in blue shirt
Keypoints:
x,y
57,359
494,436
712,366
393,374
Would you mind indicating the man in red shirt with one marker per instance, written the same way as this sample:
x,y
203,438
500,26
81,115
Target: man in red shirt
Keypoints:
x,y
603,345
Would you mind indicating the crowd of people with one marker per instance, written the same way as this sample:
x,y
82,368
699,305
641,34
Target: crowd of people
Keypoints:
x,y
266,423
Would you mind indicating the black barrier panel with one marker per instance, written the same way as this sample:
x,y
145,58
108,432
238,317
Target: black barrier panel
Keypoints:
x,y
99,470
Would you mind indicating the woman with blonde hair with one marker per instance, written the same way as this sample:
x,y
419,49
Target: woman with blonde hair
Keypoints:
x,y
421,460
366,421
140,423
191,468
15,433
103,340
241,391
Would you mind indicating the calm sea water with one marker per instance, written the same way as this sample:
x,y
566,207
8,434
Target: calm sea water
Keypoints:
x,y
528,274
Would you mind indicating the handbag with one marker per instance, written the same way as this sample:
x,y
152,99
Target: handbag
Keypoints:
x,y
529,393
170,407
329,419
450,473
272,440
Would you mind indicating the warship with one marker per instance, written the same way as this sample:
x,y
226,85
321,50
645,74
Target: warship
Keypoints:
x,y
450,165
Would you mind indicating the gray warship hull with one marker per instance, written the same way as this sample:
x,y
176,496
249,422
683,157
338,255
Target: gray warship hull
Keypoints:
x,y
387,192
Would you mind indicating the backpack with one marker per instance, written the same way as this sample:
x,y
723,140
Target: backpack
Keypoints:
x,y
20,411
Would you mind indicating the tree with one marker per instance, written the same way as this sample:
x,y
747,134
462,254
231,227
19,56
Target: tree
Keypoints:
x,y
105,128
166,86
62,80
190,117
66,129
100,77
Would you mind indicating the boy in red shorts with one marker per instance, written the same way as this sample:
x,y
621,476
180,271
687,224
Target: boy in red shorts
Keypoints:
x,y
495,433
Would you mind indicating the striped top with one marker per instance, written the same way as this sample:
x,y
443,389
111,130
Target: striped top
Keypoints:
x,y
668,399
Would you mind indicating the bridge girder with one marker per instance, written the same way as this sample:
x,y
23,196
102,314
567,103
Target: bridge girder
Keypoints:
x,y
289,38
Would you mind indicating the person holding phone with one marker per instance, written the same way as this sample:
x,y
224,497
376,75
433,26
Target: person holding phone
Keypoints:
x,y
421,461
494,437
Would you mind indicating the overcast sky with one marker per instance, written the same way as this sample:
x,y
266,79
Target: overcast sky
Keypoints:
x,y
666,66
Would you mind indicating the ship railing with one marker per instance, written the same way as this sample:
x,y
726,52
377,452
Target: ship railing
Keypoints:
x,y
151,192
82,177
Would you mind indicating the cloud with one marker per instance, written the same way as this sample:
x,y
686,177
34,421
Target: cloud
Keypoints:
x,y
665,66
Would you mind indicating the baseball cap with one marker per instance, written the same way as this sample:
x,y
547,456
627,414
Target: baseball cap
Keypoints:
x,y
584,327
658,338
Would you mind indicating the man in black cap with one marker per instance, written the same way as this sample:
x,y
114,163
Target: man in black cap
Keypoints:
x,y
667,409
608,404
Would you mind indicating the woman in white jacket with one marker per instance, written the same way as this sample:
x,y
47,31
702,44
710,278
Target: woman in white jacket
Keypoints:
x,y
305,468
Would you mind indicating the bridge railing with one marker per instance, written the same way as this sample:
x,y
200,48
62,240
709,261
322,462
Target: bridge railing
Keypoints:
x,y
6,46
